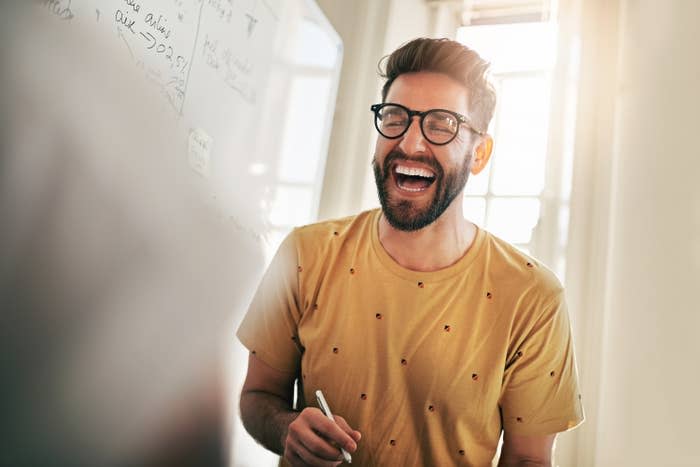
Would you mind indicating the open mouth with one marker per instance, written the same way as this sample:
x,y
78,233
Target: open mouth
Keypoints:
x,y
413,179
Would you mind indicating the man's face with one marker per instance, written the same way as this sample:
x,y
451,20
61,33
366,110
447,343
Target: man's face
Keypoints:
x,y
416,180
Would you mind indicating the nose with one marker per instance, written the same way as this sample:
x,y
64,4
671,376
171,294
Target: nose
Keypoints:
x,y
413,141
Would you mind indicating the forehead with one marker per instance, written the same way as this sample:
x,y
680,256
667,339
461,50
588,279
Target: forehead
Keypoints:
x,y
426,90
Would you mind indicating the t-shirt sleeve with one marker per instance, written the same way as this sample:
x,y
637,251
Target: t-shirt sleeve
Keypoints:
x,y
269,328
540,393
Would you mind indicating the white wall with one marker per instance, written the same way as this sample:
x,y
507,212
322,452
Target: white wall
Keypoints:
x,y
650,376
637,215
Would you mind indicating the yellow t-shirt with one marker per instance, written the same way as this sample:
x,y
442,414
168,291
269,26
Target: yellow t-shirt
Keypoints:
x,y
428,366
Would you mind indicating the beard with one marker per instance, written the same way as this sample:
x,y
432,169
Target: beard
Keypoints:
x,y
406,215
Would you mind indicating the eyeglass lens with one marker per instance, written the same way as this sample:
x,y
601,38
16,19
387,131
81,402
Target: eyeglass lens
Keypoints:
x,y
438,127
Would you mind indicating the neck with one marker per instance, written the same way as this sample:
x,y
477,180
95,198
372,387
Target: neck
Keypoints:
x,y
433,247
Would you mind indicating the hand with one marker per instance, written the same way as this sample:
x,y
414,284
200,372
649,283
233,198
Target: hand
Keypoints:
x,y
312,439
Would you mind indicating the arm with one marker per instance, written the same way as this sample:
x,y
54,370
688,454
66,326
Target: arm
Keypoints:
x,y
266,404
303,438
526,451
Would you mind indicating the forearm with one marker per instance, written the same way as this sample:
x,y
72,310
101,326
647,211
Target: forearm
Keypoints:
x,y
503,462
527,450
267,418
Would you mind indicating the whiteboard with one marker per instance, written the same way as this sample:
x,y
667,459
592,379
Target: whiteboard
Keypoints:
x,y
253,84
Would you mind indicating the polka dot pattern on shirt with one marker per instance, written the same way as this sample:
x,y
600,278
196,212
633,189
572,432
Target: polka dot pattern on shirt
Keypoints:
x,y
445,333
446,328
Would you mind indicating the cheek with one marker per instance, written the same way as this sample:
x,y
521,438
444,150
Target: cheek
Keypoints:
x,y
382,147
454,158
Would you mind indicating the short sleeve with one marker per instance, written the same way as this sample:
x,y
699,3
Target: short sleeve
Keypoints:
x,y
269,328
540,393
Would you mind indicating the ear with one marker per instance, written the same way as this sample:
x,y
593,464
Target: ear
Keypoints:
x,y
481,155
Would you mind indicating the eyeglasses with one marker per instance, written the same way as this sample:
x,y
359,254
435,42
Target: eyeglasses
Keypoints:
x,y
438,126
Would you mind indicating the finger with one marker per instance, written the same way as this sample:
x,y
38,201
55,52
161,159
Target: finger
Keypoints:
x,y
343,424
340,433
321,447
306,431
294,459
300,456
332,431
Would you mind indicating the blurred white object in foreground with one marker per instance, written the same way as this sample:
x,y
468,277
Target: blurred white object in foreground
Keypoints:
x,y
117,284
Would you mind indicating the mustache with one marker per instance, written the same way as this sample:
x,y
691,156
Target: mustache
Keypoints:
x,y
397,155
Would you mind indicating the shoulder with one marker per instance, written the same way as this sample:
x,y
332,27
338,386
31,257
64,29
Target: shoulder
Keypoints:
x,y
324,236
508,265
531,295
323,247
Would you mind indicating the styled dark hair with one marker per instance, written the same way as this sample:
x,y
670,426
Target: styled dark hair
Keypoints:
x,y
451,58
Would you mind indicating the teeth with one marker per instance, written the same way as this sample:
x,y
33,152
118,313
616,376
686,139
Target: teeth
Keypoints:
x,y
414,171
411,189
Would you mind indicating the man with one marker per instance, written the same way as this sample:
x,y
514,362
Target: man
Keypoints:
x,y
427,335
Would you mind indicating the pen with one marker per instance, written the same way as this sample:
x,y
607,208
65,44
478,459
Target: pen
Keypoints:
x,y
327,410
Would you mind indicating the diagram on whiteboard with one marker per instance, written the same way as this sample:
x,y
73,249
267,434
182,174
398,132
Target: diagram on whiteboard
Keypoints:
x,y
231,38
252,83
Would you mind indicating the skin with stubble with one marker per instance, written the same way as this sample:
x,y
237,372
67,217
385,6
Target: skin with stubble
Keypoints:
x,y
402,209
422,226
402,214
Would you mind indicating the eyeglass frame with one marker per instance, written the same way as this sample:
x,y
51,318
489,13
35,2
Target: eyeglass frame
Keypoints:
x,y
415,113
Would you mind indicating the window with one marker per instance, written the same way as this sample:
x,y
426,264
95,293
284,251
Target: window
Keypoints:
x,y
307,101
519,197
